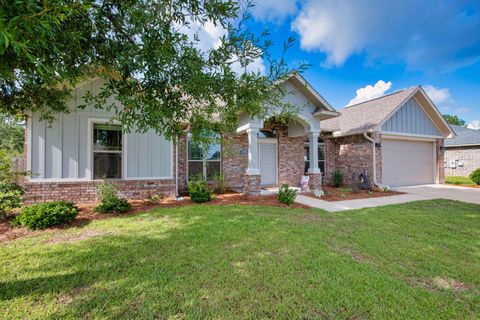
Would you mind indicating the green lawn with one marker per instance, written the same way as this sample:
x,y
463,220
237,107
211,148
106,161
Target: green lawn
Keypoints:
x,y
412,261
459,180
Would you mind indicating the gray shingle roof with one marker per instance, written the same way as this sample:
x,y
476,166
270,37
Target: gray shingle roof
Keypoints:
x,y
464,136
367,115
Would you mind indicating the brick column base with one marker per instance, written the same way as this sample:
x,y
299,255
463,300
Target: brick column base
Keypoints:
x,y
252,184
315,181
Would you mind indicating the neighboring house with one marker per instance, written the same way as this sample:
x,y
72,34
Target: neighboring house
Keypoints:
x,y
404,128
462,154
79,149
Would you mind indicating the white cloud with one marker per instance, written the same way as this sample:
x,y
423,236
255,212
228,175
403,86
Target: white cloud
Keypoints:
x,y
255,66
371,92
440,37
208,34
475,124
442,98
439,96
274,10
209,37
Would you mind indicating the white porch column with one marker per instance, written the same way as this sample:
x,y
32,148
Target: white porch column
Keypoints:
x,y
252,152
313,146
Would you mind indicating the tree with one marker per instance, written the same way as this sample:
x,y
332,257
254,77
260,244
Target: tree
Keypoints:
x,y
455,120
11,135
149,53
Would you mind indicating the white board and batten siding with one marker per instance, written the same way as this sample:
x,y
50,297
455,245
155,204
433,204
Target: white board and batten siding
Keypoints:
x,y
62,150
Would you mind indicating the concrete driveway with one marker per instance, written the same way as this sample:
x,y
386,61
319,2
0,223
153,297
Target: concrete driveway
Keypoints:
x,y
436,191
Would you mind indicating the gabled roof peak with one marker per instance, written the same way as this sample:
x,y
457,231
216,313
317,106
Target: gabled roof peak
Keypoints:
x,y
384,96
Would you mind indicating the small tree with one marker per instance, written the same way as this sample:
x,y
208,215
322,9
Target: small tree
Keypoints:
x,y
11,194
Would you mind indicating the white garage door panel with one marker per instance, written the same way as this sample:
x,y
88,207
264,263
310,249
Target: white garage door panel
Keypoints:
x,y
407,162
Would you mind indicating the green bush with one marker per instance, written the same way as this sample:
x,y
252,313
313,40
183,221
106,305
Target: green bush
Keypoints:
x,y
337,178
44,215
155,198
199,191
220,183
11,197
287,195
109,200
475,176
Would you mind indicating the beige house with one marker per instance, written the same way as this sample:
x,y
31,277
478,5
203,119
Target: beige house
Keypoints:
x,y
462,154
395,140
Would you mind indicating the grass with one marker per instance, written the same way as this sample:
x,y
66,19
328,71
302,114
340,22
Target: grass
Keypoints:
x,y
413,261
459,180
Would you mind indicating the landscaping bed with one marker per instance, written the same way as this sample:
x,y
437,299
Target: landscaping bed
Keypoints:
x,y
339,194
86,213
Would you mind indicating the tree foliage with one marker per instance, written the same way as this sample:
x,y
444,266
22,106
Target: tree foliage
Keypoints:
x,y
455,120
150,55
11,135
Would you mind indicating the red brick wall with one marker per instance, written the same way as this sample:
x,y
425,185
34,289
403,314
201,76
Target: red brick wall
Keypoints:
x,y
291,164
352,155
84,191
235,161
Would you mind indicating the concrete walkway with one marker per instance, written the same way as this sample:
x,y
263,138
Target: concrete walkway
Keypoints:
x,y
358,203
413,193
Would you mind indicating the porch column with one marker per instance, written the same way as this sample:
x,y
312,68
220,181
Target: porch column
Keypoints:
x,y
313,146
252,152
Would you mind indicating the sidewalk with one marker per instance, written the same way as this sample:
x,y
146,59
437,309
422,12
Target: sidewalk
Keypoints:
x,y
358,203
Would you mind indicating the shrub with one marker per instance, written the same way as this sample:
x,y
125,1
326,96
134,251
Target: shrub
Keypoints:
x,y
11,197
154,198
109,200
287,195
475,176
220,183
199,191
44,215
337,178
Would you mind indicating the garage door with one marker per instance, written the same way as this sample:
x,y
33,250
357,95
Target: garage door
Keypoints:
x,y
407,162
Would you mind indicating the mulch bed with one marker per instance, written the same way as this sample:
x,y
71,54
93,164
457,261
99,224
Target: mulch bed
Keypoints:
x,y
340,194
86,214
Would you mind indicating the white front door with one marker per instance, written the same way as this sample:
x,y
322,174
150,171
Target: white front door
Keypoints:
x,y
268,163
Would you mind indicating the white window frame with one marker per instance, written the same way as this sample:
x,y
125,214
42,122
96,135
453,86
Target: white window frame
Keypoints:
x,y
204,162
91,123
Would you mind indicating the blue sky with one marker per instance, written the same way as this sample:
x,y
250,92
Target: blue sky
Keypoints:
x,y
382,47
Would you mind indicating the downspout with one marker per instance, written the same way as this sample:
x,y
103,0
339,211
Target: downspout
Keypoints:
x,y
373,157
177,196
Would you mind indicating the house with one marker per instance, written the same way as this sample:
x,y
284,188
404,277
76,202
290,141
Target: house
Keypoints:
x,y
69,157
396,140
462,153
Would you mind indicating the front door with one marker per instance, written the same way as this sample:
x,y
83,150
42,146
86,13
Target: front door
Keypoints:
x,y
268,163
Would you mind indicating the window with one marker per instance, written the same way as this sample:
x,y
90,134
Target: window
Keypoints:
x,y
203,161
321,155
107,151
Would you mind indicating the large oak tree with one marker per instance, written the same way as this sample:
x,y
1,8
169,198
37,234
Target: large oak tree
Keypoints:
x,y
150,55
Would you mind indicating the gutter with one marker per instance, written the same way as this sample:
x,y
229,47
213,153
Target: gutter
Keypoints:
x,y
373,157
